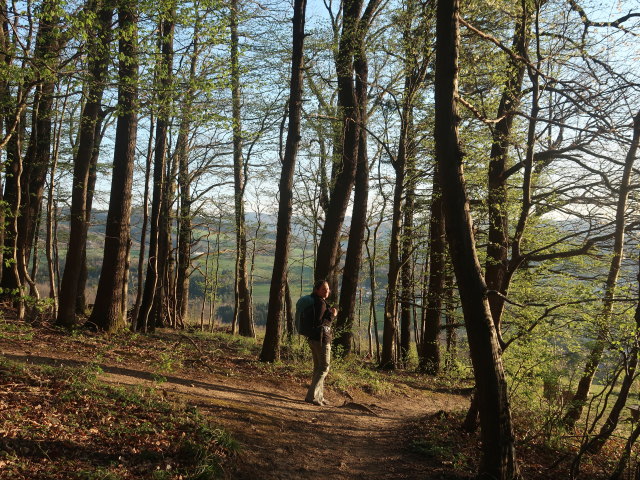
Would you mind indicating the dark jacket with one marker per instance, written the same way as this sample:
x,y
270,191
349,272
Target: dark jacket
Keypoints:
x,y
322,319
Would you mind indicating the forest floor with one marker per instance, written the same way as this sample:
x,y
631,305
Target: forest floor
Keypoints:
x,y
379,425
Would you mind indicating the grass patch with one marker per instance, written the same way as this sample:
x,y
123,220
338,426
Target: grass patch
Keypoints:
x,y
16,331
64,423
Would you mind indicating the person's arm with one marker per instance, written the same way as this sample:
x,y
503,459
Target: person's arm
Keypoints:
x,y
329,315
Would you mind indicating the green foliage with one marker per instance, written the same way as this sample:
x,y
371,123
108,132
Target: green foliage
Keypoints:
x,y
168,362
439,450
99,474
352,372
428,448
16,331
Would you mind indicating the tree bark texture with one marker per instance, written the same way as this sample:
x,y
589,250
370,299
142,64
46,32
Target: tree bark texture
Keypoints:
x,y
36,160
152,313
185,228
243,309
271,346
185,224
78,223
407,265
354,29
81,299
107,312
353,258
498,451
429,355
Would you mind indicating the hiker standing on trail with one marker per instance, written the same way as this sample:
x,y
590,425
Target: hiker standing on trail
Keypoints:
x,y
320,316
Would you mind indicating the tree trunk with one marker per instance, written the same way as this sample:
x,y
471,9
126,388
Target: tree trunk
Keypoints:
x,y
185,229
450,307
417,54
81,299
353,32
135,314
498,452
372,257
151,312
429,356
107,312
407,265
78,223
52,210
497,263
243,314
271,346
36,160
184,180
353,259
623,462
593,360
5,114
399,247
289,313
165,307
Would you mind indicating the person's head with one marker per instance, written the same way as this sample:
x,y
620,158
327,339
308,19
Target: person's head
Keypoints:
x,y
321,289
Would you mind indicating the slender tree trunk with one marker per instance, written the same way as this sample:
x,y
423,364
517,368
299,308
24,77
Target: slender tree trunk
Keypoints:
x,y
271,346
497,266
15,125
430,352
107,311
407,266
15,133
31,278
52,210
623,462
416,55
289,313
164,306
594,444
185,227
5,115
243,309
151,312
78,224
216,276
390,340
595,355
497,263
372,256
135,314
81,298
450,307
498,452
390,334
35,164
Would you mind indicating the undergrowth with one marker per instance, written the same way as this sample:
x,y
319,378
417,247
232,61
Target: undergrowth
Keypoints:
x,y
64,423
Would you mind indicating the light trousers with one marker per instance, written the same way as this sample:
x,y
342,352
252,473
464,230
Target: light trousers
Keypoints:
x,y
321,359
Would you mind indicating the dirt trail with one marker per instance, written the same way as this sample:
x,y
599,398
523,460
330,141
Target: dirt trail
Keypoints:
x,y
282,436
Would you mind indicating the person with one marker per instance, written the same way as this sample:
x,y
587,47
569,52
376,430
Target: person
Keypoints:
x,y
319,339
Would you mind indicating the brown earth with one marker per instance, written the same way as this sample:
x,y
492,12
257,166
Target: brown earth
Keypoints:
x,y
359,436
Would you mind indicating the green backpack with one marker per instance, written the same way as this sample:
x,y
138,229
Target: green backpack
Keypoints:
x,y
304,324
